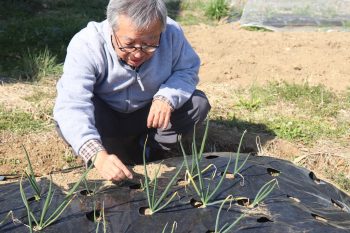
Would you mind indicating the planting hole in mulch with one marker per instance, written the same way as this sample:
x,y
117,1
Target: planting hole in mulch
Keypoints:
x,y
211,156
322,208
273,172
35,227
229,175
319,218
315,179
195,203
263,219
145,211
86,192
293,198
31,199
244,201
181,182
92,214
135,186
337,204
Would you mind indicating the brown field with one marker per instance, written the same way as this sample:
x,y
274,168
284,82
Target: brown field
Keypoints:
x,y
232,59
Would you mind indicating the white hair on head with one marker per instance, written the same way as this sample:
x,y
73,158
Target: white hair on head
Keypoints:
x,y
143,13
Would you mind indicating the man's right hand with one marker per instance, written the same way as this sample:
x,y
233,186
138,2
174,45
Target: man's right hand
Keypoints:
x,y
110,167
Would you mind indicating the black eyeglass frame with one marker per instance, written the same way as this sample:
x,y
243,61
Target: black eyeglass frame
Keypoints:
x,y
131,49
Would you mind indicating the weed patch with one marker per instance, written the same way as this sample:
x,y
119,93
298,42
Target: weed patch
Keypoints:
x,y
36,66
28,27
19,122
296,112
189,12
342,181
217,9
38,95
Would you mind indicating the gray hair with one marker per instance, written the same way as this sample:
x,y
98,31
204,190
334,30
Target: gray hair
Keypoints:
x,y
143,13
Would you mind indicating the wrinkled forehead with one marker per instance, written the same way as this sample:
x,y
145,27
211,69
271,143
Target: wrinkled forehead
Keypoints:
x,y
127,30
139,37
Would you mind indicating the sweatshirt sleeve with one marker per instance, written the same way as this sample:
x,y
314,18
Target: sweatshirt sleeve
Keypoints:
x,y
74,110
185,65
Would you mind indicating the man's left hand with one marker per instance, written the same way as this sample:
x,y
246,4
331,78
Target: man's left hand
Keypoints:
x,y
159,114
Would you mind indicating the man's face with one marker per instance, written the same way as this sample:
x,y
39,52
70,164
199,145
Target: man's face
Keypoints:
x,y
128,35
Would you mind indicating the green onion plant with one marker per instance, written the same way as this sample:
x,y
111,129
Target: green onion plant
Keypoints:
x,y
237,168
10,213
150,183
264,191
154,203
90,192
100,218
44,220
226,227
204,193
196,156
173,228
31,177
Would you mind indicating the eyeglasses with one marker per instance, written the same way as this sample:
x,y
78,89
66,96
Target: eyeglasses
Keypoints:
x,y
131,49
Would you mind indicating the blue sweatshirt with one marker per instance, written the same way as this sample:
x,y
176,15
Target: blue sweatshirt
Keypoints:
x,y
92,67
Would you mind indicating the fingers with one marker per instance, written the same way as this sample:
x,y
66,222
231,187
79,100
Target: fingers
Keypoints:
x,y
114,174
166,121
122,168
159,115
111,168
150,118
116,169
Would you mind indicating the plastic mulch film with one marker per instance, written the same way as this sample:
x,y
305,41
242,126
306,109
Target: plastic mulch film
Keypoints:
x,y
280,15
300,203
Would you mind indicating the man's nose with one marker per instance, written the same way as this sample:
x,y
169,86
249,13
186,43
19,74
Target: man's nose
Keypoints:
x,y
138,53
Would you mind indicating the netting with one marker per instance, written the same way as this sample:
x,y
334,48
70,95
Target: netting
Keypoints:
x,y
289,14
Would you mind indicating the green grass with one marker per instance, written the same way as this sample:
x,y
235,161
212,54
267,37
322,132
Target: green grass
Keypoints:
x,y
296,112
29,27
340,178
256,29
305,129
36,33
314,101
343,181
250,104
189,12
346,24
217,9
318,97
35,66
19,122
39,95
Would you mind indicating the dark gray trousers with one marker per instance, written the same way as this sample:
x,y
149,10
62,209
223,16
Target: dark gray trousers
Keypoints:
x,y
124,134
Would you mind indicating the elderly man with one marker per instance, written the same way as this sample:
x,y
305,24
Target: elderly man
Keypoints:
x,y
129,76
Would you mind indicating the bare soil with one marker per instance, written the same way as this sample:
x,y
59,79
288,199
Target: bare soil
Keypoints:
x,y
230,57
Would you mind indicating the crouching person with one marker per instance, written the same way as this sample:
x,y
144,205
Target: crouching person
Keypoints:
x,y
132,75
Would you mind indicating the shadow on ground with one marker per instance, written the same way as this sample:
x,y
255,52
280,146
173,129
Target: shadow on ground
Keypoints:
x,y
225,136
